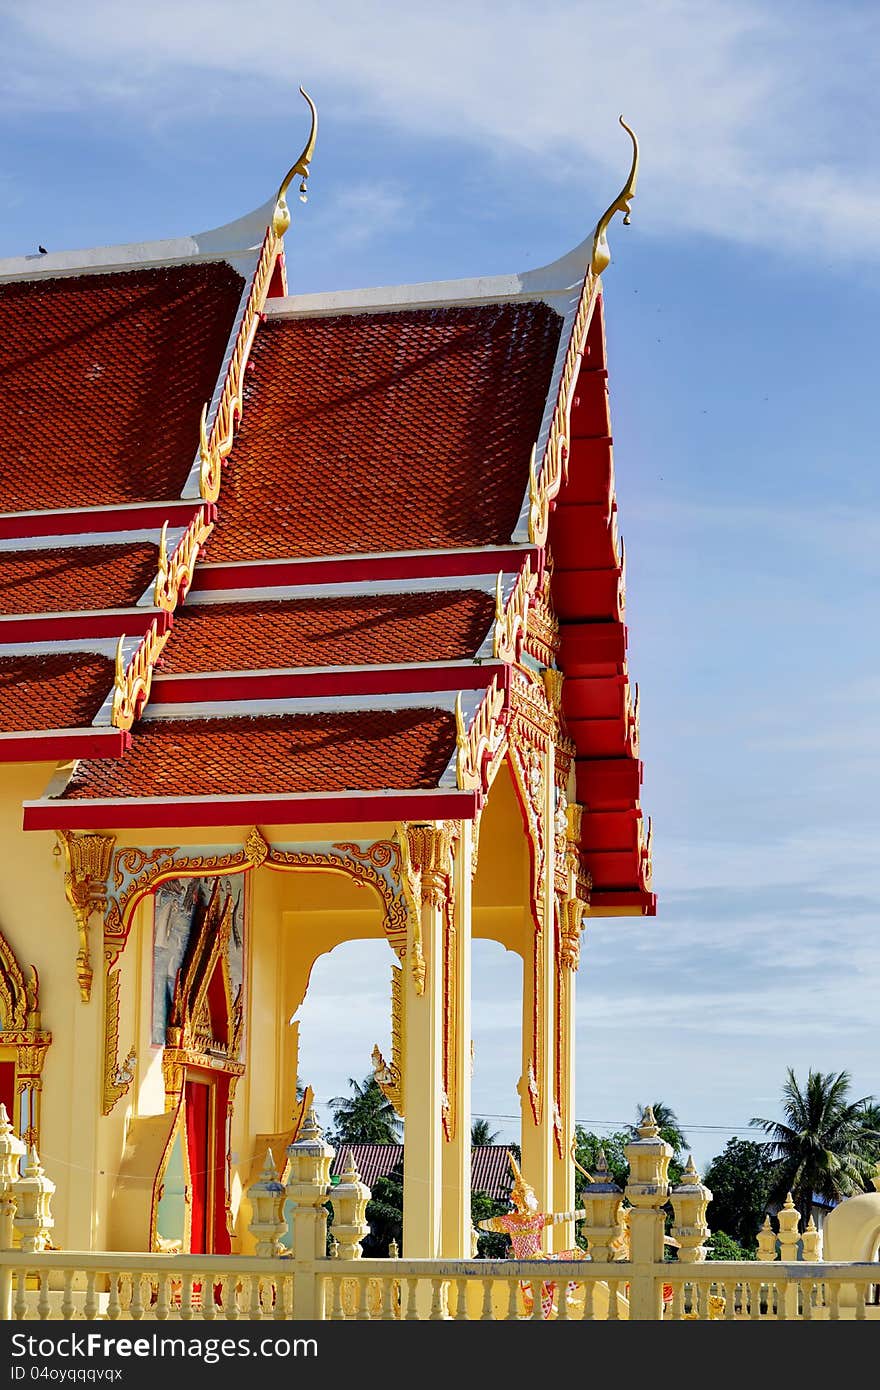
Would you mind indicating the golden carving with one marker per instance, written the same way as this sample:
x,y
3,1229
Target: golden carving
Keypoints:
x,y
601,257
450,1013
194,1033
131,687
176,571
365,864
281,214
430,852
256,847
511,619
87,860
480,746
117,1076
389,1075
215,446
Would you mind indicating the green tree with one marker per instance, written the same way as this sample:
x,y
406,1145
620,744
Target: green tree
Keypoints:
x,y
588,1146
481,1134
721,1247
491,1245
821,1146
385,1215
870,1118
740,1180
364,1117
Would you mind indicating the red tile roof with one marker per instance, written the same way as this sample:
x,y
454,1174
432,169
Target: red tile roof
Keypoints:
x,y
103,381
367,751
78,578
63,691
328,632
490,1165
387,431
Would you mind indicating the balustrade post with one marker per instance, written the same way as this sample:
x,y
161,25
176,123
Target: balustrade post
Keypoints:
x,y
603,1202
647,1192
33,1194
789,1220
811,1243
310,1158
767,1241
349,1202
690,1200
266,1197
11,1150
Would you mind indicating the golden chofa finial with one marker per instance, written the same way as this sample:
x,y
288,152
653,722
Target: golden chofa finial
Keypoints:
x,y
281,215
601,253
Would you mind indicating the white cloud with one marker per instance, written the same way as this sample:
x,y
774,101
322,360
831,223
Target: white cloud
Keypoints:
x,y
749,131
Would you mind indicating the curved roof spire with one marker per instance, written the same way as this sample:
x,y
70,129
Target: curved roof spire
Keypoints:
x,y
601,253
281,212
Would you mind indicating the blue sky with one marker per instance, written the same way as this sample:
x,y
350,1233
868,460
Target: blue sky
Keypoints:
x,y
742,309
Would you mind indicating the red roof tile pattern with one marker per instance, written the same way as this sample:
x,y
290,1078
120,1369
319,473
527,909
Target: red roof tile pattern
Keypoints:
x,y
79,578
490,1165
63,691
279,755
387,431
103,380
328,632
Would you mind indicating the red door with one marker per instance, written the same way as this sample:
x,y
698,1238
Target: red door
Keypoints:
x,y
205,1098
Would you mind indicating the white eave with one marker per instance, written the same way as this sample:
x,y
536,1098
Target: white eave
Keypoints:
x,y
237,242
555,284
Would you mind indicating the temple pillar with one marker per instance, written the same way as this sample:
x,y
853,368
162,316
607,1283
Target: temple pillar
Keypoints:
x,y
455,1235
539,970
429,873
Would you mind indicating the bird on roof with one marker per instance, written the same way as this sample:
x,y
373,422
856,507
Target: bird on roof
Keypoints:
x,y
42,250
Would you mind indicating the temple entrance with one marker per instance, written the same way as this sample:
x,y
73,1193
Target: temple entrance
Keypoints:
x,y
205,1121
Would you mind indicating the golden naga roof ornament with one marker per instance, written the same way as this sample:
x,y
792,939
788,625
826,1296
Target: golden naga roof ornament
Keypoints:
x,y
281,214
601,253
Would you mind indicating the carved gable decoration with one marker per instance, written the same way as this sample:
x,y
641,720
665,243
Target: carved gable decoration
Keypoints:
x,y
23,1042
204,1017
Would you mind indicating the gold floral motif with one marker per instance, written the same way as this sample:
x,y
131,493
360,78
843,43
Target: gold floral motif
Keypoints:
x,y
131,686
256,847
87,860
131,860
117,1076
175,572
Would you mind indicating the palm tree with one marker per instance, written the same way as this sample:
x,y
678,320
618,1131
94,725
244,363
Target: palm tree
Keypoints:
x,y
668,1124
822,1146
365,1117
481,1134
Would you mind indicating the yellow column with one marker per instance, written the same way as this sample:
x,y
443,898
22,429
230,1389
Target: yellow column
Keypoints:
x,y
563,1168
455,1240
430,847
536,1087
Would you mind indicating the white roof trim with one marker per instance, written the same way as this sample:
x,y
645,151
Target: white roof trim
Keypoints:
x,y
354,588
553,283
11,545
98,646
236,242
63,776
295,671
318,704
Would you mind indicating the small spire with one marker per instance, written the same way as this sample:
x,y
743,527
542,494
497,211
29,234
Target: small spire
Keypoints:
x,y
270,1172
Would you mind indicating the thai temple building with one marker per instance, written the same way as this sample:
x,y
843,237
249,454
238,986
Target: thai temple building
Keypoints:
x,y
312,631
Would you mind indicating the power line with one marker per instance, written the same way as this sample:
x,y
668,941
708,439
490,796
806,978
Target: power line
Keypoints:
x,y
627,1124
